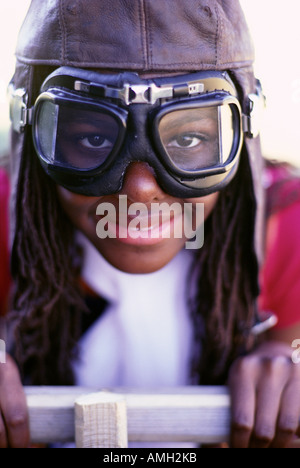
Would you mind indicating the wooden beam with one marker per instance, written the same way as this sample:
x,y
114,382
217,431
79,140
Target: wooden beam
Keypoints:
x,y
186,414
101,421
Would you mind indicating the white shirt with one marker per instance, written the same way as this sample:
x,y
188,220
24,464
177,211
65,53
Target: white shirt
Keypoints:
x,y
144,337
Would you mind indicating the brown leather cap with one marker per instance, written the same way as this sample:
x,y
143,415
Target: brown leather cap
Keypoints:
x,y
163,35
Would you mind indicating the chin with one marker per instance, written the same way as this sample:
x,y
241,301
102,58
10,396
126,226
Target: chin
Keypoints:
x,y
138,262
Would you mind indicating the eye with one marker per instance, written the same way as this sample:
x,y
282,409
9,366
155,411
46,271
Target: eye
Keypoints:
x,y
186,141
95,141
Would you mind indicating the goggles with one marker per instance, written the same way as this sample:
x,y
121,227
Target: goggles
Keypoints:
x,y
88,127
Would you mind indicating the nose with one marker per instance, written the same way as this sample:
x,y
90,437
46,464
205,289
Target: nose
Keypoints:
x,y
140,184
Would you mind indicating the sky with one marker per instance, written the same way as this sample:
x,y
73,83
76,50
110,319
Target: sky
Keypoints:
x,y
276,36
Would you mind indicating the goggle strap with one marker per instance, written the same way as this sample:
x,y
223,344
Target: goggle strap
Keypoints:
x,y
139,93
21,114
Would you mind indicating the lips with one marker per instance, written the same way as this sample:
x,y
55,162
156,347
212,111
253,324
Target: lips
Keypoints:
x,y
139,224
145,228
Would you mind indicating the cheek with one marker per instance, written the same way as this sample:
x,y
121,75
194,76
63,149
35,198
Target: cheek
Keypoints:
x,y
76,203
78,207
209,201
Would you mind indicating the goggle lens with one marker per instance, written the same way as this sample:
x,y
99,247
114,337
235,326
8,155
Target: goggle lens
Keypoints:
x,y
74,137
197,138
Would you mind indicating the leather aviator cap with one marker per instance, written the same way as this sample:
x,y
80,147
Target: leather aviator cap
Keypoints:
x,y
163,35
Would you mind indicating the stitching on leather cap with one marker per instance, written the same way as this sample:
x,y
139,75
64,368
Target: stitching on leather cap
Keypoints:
x,y
73,63
149,37
142,14
29,80
217,36
62,25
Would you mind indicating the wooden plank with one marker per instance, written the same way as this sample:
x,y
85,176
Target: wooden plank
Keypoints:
x,y
188,414
185,414
101,421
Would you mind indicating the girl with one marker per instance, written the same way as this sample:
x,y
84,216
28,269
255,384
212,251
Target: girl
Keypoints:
x,y
121,111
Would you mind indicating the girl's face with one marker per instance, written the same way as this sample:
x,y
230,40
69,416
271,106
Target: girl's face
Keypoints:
x,y
131,240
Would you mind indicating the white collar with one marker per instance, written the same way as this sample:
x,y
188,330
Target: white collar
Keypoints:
x,y
113,284
144,337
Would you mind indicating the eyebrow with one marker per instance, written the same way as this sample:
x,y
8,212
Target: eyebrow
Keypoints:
x,y
86,120
173,123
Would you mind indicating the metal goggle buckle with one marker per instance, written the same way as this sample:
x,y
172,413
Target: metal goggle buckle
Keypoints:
x,y
252,120
20,114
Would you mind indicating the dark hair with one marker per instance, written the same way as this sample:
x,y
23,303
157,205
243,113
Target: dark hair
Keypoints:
x,y
48,305
227,271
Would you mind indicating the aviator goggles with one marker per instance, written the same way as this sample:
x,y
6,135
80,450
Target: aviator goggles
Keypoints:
x,y
88,127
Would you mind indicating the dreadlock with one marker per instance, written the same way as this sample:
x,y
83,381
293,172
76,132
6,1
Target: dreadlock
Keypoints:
x,y
46,303
226,270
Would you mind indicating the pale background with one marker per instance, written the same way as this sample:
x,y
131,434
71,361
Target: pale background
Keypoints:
x,y
275,29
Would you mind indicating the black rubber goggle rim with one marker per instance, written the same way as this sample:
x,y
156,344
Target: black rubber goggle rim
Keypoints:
x,y
120,115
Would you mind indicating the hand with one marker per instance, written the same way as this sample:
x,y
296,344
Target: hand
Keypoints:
x,y
14,425
265,393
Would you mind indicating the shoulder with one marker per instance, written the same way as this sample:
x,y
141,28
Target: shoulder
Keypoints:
x,y
280,274
282,185
283,212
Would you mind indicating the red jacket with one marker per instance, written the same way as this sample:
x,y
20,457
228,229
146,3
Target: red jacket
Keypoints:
x,y
280,275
